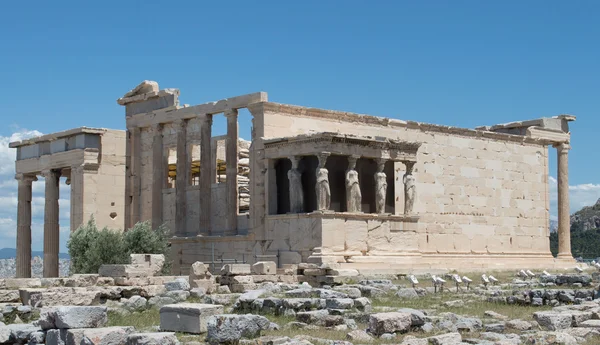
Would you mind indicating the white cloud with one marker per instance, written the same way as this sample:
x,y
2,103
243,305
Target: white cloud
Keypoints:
x,y
580,195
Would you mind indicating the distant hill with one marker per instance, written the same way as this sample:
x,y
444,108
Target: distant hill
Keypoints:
x,y
9,253
588,218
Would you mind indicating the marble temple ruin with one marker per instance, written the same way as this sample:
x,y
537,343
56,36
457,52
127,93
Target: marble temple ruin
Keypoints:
x,y
312,185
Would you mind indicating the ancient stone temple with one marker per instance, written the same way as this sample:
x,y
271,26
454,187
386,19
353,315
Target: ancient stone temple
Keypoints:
x,y
93,162
315,185
328,186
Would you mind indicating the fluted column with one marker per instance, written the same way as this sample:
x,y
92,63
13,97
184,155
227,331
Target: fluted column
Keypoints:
x,y
24,225
182,179
51,226
232,171
158,176
564,214
205,174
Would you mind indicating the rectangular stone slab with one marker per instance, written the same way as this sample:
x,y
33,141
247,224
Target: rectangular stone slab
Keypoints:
x,y
187,317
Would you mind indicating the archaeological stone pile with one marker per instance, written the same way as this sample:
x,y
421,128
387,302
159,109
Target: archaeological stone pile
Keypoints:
x,y
295,304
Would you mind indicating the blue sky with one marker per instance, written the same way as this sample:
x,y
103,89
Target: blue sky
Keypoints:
x,y
460,63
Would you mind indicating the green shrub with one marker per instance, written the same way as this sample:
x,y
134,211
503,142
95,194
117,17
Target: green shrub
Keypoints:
x,y
90,248
141,239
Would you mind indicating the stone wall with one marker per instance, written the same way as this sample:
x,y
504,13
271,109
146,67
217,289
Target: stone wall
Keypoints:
x,y
476,193
106,203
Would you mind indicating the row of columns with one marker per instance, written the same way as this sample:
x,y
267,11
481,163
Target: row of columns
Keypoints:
x,y
353,192
160,163
51,224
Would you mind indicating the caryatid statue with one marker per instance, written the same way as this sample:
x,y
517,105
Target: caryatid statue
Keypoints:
x,y
322,187
353,194
409,188
296,194
380,187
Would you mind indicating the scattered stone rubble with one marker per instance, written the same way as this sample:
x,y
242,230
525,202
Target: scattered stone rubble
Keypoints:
x,y
234,307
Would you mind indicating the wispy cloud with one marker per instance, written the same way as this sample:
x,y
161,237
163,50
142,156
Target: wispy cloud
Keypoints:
x,y
580,195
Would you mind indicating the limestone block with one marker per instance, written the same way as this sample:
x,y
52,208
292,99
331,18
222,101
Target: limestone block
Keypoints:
x,y
199,270
230,328
229,280
158,338
124,281
153,262
236,269
264,268
73,317
187,317
97,336
81,280
127,271
290,258
553,321
343,272
7,296
315,272
208,285
59,296
241,288
265,278
16,283
391,322
177,284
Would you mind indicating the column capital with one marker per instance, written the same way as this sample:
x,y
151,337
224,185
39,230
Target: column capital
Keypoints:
x,y
295,160
206,118
156,128
562,147
352,161
409,166
50,173
180,123
323,158
231,113
380,164
26,178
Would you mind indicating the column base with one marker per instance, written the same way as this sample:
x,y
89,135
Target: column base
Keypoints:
x,y
565,257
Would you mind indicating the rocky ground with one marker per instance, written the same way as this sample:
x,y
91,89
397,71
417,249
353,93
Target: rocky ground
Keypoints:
x,y
8,267
553,309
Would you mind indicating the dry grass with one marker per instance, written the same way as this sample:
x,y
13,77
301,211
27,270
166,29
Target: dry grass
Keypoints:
x,y
473,306
143,321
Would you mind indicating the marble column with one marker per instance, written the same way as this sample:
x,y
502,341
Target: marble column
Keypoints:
x,y
353,193
231,154
182,179
206,166
322,186
159,177
564,214
409,188
380,187
24,225
51,226
295,185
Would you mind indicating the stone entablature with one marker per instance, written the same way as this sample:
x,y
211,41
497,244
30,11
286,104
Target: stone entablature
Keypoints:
x,y
93,162
345,145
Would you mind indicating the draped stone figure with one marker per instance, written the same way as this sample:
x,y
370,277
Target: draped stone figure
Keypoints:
x,y
323,191
409,188
353,194
296,193
380,188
